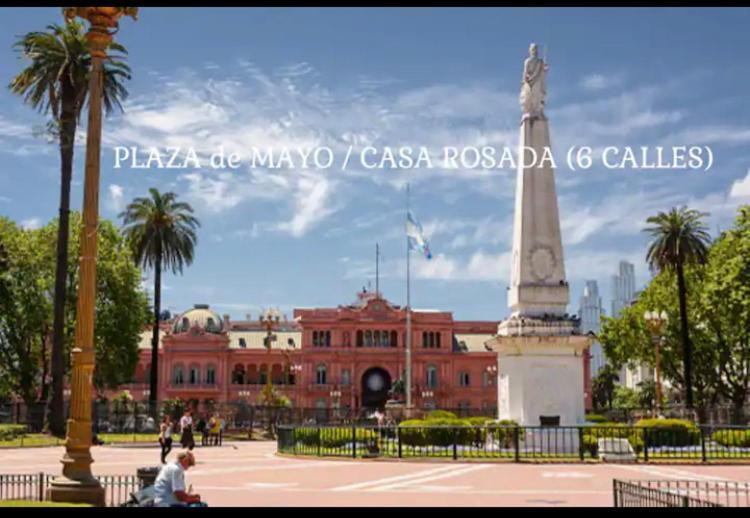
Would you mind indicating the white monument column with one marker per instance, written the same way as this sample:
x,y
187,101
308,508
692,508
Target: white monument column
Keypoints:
x,y
540,348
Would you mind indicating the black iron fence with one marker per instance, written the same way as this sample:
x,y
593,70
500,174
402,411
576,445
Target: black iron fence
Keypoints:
x,y
520,443
680,493
117,488
125,417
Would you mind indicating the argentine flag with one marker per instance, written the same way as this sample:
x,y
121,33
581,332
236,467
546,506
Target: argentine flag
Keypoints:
x,y
417,241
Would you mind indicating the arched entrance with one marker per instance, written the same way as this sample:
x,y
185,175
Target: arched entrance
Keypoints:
x,y
376,382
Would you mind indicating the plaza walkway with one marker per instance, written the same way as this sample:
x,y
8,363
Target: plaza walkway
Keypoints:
x,y
250,474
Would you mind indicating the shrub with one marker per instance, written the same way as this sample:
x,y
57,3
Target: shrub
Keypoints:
x,y
592,435
306,436
503,430
437,432
412,433
8,432
732,437
440,414
596,418
338,437
670,432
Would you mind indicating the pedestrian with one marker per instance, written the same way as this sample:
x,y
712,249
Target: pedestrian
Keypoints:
x,y
186,427
222,426
165,438
169,487
202,427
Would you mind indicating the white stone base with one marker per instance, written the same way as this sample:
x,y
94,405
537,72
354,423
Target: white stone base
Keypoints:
x,y
541,376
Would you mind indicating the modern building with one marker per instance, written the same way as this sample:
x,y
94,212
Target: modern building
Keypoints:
x,y
590,311
623,287
344,357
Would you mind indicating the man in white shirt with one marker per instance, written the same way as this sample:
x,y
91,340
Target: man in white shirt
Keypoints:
x,y
169,488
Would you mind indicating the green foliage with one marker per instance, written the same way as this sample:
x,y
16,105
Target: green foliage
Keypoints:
x,y
732,437
612,431
603,387
8,432
670,432
441,414
174,408
335,437
596,418
26,313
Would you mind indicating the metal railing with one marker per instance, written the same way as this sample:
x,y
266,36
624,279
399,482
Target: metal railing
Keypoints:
x,y
519,443
34,487
680,493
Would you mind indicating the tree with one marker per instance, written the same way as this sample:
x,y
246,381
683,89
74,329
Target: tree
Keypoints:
x,y
725,311
24,309
26,284
161,234
56,82
603,387
626,339
679,239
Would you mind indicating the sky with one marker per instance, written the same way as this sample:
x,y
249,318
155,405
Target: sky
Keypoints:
x,y
288,238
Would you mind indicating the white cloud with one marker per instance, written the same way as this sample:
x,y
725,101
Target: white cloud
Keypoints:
x,y
313,202
31,223
116,193
741,188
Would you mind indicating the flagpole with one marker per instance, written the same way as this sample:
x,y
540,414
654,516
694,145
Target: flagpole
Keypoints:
x,y
408,310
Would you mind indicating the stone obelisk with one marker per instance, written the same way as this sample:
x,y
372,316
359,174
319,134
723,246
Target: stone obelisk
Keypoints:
x,y
540,349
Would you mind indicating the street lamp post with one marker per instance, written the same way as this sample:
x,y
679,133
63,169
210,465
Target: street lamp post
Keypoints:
x,y
269,319
656,322
77,484
336,397
427,394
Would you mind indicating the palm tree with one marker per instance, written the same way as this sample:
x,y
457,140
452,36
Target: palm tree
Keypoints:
x,y
56,82
161,233
679,239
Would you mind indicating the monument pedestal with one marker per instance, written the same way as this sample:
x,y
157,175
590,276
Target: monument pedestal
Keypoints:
x,y
540,376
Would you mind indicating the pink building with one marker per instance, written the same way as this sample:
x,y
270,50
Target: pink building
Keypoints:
x,y
346,357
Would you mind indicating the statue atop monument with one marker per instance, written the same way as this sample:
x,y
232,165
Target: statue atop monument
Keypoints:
x,y
533,85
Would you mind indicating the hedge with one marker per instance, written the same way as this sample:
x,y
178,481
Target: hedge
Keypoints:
x,y
440,414
671,432
446,432
732,437
611,431
332,437
8,432
596,418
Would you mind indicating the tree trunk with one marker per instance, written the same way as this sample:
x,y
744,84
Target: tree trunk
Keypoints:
x,y
55,409
45,366
687,347
154,386
738,410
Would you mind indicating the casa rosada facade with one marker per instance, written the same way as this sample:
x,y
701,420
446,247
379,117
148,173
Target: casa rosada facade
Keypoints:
x,y
346,357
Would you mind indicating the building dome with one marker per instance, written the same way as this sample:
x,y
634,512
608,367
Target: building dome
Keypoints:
x,y
201,318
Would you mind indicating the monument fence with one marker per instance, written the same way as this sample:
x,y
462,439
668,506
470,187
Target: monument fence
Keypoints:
x,y
680,493
33,487
702,444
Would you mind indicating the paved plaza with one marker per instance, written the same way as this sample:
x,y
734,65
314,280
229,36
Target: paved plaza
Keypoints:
x,y
251,474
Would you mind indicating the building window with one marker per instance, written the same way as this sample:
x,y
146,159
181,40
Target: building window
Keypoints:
x,y
316,343
463,379
195,375
360,339
346,377
486,380
437,340
178,378
394,339
430,340
238,375
243,343
431,377
368,338
210,375
321,374
263,377
346,339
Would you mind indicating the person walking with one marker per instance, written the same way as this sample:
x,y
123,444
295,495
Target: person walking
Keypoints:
x,y
202,427
222,425
165,438
186,428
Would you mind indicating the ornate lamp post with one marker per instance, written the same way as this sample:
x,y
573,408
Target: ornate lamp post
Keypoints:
x,y
77,484
427,394
656,322
269,319
336,397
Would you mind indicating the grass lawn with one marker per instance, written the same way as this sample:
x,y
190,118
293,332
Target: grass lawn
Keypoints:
x,y
40,439
34,503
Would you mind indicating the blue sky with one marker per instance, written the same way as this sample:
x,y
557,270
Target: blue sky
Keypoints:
x,y
640,77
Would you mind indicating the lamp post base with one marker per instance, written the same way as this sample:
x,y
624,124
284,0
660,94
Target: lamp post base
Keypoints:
x,y
73,491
